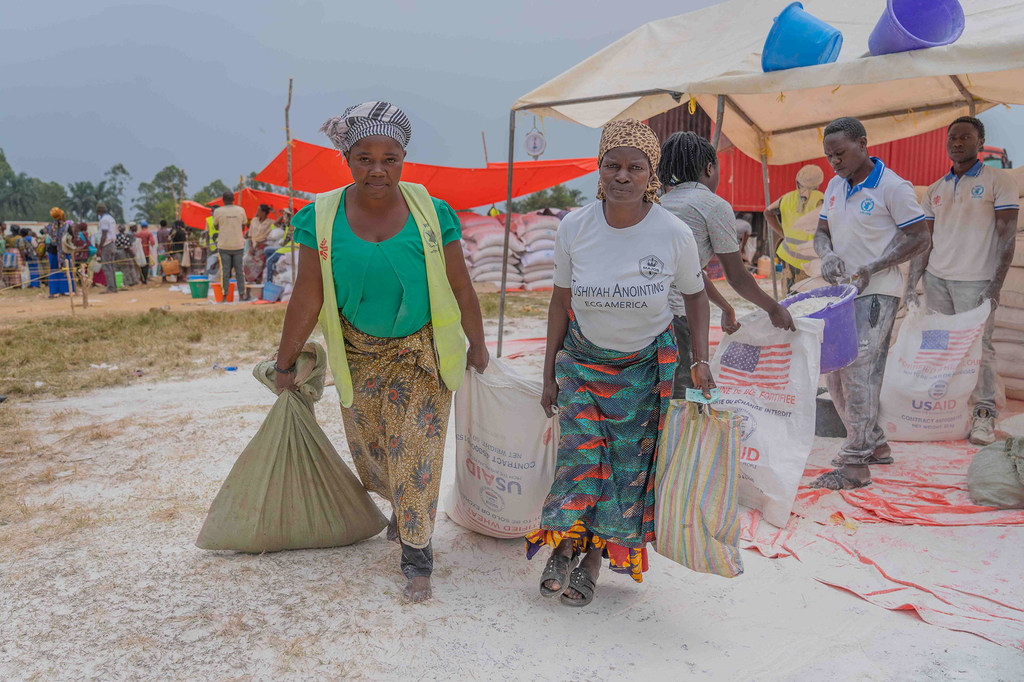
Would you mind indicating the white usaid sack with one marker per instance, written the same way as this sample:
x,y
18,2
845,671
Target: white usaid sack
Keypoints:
x,y
769,377
930,374
505,450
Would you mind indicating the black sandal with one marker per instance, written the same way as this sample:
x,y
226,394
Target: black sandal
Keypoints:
x,y
580,581
837,480
557,568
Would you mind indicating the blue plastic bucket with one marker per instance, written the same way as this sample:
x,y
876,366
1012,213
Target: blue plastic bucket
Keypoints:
x,y
272,292
839,340
916,24
798,38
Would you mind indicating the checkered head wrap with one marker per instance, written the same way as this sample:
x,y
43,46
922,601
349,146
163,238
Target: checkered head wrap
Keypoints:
x,y
363,120
630,132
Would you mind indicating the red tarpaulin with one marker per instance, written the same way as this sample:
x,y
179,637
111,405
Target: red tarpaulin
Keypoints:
x,y
319,169
250,200
194,214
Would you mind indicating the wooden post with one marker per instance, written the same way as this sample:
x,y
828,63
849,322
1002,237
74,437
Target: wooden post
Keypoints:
x,y
67,273
719,118
288,147
182,200
484,139
84,286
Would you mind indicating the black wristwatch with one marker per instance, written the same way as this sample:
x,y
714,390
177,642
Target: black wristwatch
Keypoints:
x,y
290,370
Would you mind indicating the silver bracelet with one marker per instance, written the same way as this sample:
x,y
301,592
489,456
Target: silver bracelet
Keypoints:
x,y
700,362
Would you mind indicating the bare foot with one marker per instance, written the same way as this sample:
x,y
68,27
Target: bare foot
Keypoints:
x,y
393,529
417,589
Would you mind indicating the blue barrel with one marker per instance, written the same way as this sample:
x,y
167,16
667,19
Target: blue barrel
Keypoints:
x,y
798,38
916,24
839,340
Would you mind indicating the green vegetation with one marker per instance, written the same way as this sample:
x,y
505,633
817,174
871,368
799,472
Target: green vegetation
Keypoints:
x,y
558,196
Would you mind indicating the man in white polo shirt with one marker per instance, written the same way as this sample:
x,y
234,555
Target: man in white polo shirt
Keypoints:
x,y
973,214
870,223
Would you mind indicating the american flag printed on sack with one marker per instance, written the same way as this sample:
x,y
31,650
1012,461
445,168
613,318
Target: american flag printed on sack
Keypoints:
x,y
941,345
764,366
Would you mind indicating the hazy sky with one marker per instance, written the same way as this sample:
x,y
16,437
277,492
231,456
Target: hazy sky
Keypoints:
x,y
202,85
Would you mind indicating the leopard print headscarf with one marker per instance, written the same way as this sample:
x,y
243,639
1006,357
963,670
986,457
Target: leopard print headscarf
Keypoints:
x,y
630,132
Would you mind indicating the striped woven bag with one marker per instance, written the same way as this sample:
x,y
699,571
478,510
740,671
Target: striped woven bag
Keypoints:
x,y
696,508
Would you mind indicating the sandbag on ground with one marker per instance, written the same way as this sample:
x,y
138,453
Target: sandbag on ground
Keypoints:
x,y
996,475
289,488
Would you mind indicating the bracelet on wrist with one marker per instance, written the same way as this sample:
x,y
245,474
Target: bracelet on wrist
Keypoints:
x,y
290,370
700,362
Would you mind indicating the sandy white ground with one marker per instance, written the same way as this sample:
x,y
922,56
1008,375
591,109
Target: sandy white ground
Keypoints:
x,y
108,583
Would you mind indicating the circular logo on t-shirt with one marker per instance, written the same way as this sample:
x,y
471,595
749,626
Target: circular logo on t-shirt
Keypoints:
x,y
867,205
978,191
651,266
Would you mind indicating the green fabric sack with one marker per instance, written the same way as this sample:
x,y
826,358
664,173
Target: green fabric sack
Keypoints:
x,y
289,488
996,475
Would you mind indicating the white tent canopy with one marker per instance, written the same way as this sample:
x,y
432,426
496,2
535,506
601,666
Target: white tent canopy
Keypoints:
x,y
717,51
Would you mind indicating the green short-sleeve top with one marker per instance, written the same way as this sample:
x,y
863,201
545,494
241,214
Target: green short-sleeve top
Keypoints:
x,y
381,287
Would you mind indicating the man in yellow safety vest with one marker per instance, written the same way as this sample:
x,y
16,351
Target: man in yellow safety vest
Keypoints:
x,y
783,214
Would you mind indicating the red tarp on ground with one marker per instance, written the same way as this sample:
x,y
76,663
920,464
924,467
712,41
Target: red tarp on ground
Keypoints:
x,y
194,214
319,169
920,159
912,541
250,200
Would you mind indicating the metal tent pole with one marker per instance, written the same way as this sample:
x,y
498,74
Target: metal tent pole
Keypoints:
x,y
767,228
508,227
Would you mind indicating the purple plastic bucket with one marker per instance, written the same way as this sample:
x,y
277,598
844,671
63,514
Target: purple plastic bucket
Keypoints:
x,y
916,24
798,38
839,340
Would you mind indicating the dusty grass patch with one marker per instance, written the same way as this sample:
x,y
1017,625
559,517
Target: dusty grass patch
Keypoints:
x,y
525,304
58,352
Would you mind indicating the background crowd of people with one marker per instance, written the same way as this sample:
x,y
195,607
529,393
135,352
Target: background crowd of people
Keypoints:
x,y
65,256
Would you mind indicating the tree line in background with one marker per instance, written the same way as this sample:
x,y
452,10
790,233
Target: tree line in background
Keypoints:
x,y
30,199
27,198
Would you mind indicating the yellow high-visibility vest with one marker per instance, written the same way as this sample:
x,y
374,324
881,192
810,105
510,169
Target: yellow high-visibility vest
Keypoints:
x,y
445,315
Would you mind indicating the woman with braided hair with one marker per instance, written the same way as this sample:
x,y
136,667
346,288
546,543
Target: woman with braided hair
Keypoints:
x,y
609,364
689,172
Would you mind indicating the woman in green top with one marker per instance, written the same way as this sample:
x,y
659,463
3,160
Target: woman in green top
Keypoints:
x,y
398,418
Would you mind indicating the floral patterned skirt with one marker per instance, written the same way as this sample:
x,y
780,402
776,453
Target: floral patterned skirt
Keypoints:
x,y
397,424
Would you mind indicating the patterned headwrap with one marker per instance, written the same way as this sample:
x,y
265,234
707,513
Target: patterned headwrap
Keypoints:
x,y
630,132
57,214
363,120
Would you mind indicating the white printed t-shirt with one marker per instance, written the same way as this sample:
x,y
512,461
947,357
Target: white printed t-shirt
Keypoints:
x,y
863,219
620,277
963,213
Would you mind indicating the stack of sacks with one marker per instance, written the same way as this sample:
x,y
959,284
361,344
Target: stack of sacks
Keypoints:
x,y
1008,336
483,242
537,233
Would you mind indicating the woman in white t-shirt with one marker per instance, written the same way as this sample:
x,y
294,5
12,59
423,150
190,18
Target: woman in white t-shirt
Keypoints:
x,y
609,365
